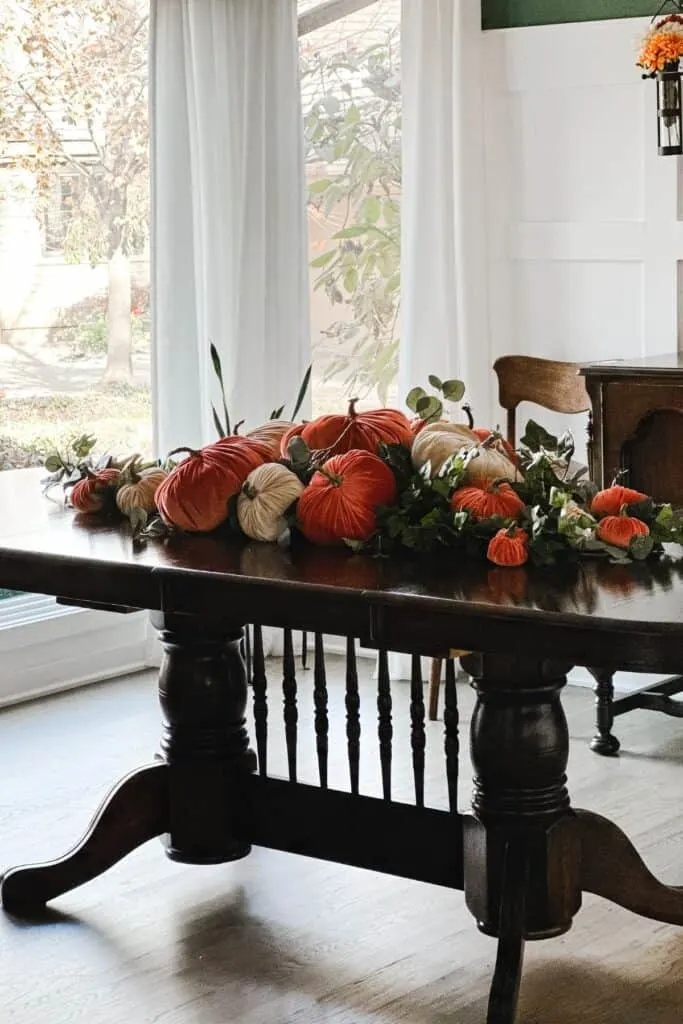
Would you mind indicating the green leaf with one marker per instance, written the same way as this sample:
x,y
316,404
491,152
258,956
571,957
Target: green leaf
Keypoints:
x,y
435,381
352,115
302,392
536,437
320,186
414,396
453,390
217,423
428,407
641,547
53,463
372,209
277,413
353,232
324,259
218,370
351,280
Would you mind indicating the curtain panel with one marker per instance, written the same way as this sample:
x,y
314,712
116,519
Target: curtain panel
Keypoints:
x,y
445,327
228,213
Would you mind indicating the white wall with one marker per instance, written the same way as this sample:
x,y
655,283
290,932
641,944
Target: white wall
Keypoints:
x,y
584,237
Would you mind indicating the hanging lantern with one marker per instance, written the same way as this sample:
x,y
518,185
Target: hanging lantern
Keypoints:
x,y
669,111
660,58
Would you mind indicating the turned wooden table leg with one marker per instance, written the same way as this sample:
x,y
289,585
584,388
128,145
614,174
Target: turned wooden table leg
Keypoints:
x,y
522,851
190,795
203,695
604,742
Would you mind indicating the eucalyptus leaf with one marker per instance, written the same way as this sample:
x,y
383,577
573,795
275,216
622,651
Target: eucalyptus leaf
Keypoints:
x,y
435,381
453,390
53,463
414,396
428,407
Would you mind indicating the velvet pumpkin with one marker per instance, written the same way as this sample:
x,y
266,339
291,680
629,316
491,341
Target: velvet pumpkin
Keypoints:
x,y
498,499
271,433
436,442
483,433
341,501
195,495
509,547
620,530
357,431
490,464
268,492
610,501
139,490
94,492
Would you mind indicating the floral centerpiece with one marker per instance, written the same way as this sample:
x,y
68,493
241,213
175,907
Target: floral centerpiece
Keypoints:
x,y
380,483
663,45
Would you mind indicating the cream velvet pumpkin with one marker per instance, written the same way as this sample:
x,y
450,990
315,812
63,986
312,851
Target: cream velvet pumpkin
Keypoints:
x,y
268,492
490,464
140,490
438,441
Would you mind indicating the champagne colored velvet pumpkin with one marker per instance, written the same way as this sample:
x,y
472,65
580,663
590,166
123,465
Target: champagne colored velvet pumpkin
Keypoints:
x,y
271,433
341,501
436,442
357,431
620,530
490,464
498,499
509,547
267,493
610,501
483,433
94,492
195,496
139,491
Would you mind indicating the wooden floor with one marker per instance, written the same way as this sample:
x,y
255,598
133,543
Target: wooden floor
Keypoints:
x,y
276,939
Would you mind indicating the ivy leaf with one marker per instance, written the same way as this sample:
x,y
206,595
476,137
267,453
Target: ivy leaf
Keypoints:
x,y
453,390
536,437
641,548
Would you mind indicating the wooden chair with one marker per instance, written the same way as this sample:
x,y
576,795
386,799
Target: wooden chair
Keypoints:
x,y
548,383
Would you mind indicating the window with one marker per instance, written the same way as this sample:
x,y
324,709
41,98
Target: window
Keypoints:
x,y
351,99
74,281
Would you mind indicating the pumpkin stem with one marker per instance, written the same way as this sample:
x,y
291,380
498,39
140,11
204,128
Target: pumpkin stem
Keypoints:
x,y
178,451
352,409
332,477
250,492
467,409
237,426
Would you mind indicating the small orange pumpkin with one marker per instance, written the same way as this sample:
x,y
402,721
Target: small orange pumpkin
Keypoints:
x,y
620,530
509,547
341,501
195,495
96,491
498,499
357,431
610,501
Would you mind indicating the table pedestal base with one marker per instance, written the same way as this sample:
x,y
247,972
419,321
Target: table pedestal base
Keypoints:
x,y
523,859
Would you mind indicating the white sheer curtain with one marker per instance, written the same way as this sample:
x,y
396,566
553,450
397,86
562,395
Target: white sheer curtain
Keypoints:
x,y
228,221
443,276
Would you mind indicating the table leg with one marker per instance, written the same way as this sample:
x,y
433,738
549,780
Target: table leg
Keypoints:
x,y
522,852
188,795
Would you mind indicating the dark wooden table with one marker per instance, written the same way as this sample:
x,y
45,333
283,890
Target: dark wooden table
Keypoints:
x,y
523,856
637,423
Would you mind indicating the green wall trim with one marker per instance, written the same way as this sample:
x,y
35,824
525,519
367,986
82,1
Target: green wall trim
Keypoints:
x,y
522,13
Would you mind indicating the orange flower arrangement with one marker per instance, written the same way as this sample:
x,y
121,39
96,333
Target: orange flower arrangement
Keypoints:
x,y
662,45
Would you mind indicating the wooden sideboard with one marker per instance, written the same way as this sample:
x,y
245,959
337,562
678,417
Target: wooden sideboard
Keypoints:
x,y
637,423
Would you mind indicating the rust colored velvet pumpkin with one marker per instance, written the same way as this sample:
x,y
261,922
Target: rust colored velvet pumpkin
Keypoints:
x,y
341,501
498,499
610,501
509,547
195,495
94,492
271,433
483,433
357,431
619,531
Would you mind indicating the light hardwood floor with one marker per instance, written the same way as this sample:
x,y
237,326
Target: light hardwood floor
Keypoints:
x,y
276,939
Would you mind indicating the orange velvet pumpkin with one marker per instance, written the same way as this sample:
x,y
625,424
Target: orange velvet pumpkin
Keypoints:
x,y
619,531
610,501
94,492
509,547
195,495
483,433
357,431
498,499
341,501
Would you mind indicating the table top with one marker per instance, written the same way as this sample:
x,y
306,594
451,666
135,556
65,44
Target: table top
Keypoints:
x,y
667,365
590,613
